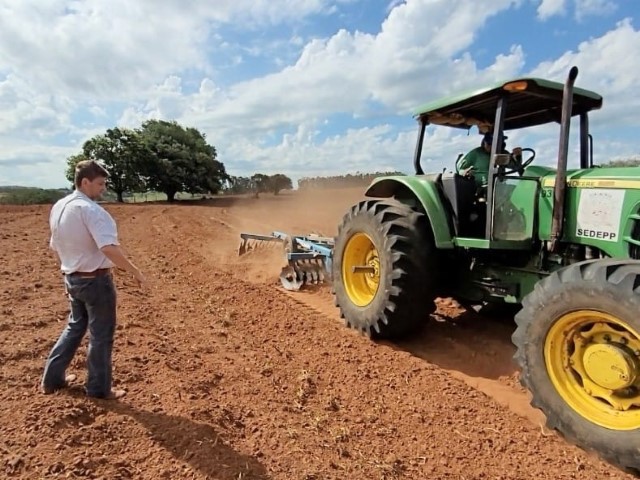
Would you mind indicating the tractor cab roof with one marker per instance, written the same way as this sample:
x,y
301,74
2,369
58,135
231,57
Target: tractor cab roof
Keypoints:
x,y
530,102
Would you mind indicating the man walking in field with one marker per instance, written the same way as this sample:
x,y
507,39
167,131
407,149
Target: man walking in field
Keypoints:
x,y
85,237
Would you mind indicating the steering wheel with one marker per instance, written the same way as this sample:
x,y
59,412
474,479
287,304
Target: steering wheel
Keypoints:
x,y
522,165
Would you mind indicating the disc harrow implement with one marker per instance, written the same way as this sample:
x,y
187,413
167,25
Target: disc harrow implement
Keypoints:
x,y
308,258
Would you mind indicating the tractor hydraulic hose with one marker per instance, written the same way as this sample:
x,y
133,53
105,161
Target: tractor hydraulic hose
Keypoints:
x,y
559,191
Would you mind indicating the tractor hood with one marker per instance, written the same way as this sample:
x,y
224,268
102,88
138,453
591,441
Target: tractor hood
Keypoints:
x,y
606,177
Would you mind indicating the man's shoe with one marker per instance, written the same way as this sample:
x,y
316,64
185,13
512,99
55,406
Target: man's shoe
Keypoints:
x,y
67,380
112,395
116,394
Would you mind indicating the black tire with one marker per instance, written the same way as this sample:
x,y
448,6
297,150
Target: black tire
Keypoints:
x,y
606,286
406,251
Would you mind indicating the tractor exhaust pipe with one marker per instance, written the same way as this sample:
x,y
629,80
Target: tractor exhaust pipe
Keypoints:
x,y
560,188
418,151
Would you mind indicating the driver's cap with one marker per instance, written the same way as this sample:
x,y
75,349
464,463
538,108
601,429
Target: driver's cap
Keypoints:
x,y
488,137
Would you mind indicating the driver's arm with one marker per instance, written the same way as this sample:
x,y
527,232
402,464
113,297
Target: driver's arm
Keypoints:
x,y
464,165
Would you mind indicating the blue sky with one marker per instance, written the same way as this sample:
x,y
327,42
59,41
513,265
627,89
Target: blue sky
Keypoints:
x,y
305,88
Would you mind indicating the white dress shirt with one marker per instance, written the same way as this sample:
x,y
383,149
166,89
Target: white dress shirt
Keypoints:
x,y
79,228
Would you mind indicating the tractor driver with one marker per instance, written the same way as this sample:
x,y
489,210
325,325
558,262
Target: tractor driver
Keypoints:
x,y
475,163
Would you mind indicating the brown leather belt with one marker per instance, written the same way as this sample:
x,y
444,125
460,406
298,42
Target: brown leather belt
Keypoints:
x,y
95,273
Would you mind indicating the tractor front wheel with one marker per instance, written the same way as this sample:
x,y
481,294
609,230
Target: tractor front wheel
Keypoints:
x,y
384,271
578,345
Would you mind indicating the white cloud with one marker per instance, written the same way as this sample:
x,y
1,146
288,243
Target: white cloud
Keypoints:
x,y
24,109
34,165
58,56
550,8
112,49
411,59
583,8
609,66
300,155
77,67
97,111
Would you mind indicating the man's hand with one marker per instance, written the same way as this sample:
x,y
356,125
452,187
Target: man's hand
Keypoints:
x,y
142,281
115,254
468,172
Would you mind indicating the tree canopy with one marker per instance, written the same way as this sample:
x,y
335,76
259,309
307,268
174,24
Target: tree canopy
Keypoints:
x,y
279,182
161,155
123,155
182,161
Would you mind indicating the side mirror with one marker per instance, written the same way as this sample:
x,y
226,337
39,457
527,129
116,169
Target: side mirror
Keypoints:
x,y
501,159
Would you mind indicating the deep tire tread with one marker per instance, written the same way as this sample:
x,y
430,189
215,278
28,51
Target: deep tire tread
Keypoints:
x,y
612,282
404,238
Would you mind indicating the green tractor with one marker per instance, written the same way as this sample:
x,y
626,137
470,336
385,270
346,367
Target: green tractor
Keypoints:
x,y
561,244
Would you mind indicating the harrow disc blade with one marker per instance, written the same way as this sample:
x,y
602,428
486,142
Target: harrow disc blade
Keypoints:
x,y
290,279
303,272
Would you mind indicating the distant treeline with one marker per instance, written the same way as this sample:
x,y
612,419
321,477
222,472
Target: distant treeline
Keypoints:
x,y
342,181
627,162
29,195
257,183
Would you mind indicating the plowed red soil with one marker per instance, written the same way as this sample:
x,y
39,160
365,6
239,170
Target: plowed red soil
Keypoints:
x,y
231,377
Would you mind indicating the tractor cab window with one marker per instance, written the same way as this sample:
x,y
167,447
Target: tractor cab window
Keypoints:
x,y
514,208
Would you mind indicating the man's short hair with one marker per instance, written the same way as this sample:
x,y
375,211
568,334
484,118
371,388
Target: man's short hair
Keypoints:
x,y
89,169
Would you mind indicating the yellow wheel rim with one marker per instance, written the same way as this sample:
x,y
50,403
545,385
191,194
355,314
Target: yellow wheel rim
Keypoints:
x,y
360,269
593,360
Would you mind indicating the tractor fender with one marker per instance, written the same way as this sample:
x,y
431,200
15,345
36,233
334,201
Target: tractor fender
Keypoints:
x,y
423,189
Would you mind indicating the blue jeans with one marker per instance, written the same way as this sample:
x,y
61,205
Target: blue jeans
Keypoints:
x,y
93,306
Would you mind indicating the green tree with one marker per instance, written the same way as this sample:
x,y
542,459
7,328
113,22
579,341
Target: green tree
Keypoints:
x,y
238,185
181,160
123,155
72,161
260,183
279,182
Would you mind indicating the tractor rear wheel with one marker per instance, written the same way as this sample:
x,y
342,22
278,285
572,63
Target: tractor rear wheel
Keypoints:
x,y
384,268
578,345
